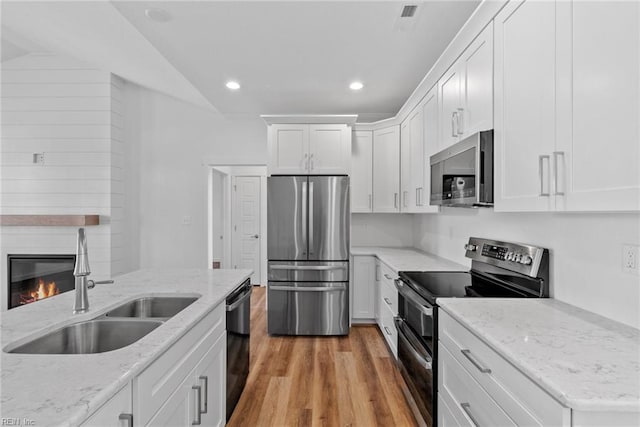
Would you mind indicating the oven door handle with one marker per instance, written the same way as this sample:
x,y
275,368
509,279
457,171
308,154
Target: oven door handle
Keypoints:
x,y
419,302
427,364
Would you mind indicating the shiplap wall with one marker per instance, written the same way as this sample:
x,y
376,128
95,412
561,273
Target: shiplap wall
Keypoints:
x,y
73,114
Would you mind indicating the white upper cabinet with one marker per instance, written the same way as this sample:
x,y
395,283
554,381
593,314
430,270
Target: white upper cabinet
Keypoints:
x,y
386,168
309,149
567,126
465,92
430,147
362,172
597,156
524,136
406,201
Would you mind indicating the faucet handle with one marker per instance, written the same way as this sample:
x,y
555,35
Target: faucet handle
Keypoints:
x,y
92,284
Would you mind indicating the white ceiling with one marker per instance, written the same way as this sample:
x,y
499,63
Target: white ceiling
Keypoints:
x,y
291,57
299,57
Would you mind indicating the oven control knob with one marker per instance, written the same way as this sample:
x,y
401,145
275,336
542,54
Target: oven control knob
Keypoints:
x,y
510,256
470,247
526,260
518,257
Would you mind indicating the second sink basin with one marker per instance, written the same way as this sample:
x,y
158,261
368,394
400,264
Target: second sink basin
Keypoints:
x,y
93,336
153,307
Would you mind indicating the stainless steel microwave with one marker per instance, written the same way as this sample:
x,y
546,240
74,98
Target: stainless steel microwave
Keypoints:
x,y
462,175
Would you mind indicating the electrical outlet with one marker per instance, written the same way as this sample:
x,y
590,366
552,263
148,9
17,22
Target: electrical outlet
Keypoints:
x,y
630,259
186,220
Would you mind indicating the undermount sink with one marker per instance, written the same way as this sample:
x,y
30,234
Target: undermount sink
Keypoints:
x,y
93,336
152,307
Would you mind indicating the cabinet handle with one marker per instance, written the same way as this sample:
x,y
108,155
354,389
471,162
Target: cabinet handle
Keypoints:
x,y
460,120
454,133
370,202
405,195
198,419
126,417
306,161
311,162
206,393
540,170
556,154
387,330
387,301
466,407
467,354
395,200
388,277
377,273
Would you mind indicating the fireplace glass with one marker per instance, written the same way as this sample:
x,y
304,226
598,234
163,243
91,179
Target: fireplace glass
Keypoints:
x,y
35,277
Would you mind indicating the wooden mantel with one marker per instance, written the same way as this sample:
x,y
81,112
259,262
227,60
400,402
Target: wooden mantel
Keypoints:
x,y
50,220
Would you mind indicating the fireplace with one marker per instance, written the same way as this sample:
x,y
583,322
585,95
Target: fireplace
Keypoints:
x,y
35,277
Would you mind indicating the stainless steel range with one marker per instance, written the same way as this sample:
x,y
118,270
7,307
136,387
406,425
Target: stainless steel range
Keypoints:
x,y
498,270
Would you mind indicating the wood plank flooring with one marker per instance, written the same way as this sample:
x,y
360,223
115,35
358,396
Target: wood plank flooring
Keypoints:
x,y
319,381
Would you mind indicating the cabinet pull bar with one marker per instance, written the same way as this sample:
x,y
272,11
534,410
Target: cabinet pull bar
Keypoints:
x,y
126,417
206,393
370,202
387,301
541,159
454,133
387,330
417,197
405,196
306,161
198,419
395,200
467,354
460,120
466,407
311,162
387,276
556,154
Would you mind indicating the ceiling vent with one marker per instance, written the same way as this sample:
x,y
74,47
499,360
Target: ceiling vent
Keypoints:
x,y
408,11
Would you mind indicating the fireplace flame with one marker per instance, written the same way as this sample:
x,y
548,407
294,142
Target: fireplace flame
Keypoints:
x,y
44,291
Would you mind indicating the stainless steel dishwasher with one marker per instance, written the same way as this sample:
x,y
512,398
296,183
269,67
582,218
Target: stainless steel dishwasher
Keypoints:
x,y
238,330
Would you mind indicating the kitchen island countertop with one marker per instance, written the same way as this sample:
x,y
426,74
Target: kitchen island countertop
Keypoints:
x,y
66,389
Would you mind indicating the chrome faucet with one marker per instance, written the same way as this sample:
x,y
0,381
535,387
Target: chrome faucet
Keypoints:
x,y
81,270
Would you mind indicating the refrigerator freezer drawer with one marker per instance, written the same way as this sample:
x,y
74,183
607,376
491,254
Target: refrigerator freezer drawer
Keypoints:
x,y
311,308
309,271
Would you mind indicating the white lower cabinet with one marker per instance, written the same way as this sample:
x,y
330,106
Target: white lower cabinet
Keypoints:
x,y
186,385
388,307
479,387
363,299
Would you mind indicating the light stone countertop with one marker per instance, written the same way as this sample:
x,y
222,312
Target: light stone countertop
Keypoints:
x,y
408,259
65,389
586,361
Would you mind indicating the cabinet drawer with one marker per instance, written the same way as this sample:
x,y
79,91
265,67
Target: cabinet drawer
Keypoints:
x,y
524,401
388,328
160,380
459,390
388,292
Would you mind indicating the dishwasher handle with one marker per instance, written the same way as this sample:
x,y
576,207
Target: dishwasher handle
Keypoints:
x,y
241,299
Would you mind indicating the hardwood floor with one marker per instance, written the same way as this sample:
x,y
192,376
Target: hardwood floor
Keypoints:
x,y
312,381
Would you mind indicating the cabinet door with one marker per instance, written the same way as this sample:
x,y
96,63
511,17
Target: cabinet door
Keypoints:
x,y
288,149
524,100
110,413
386,169
329,149
405,166
179,409
211,376
431,145
449,94
362,172
364,291
477,85
416,194
598,149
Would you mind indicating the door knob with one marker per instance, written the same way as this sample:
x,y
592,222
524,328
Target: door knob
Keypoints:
x,y
255,236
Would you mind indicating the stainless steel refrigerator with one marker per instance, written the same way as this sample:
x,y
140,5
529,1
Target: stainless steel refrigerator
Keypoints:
x,y
308,251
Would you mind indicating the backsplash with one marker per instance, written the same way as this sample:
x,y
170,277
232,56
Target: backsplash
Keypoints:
x,y
381,229
586,251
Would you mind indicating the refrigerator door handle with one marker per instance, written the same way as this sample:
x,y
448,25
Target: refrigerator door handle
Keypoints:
x,y
304,215
308,267
332,288
311,218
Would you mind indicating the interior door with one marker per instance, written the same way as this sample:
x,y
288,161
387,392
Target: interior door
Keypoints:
x,y
329,215
287,217
247,225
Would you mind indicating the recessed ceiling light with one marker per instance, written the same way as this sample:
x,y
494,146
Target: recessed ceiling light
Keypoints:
x,y
356,86
233,85
157,14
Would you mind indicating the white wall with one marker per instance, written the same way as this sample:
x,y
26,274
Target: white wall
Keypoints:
x,y
381,229
586,251
176,142
71,112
